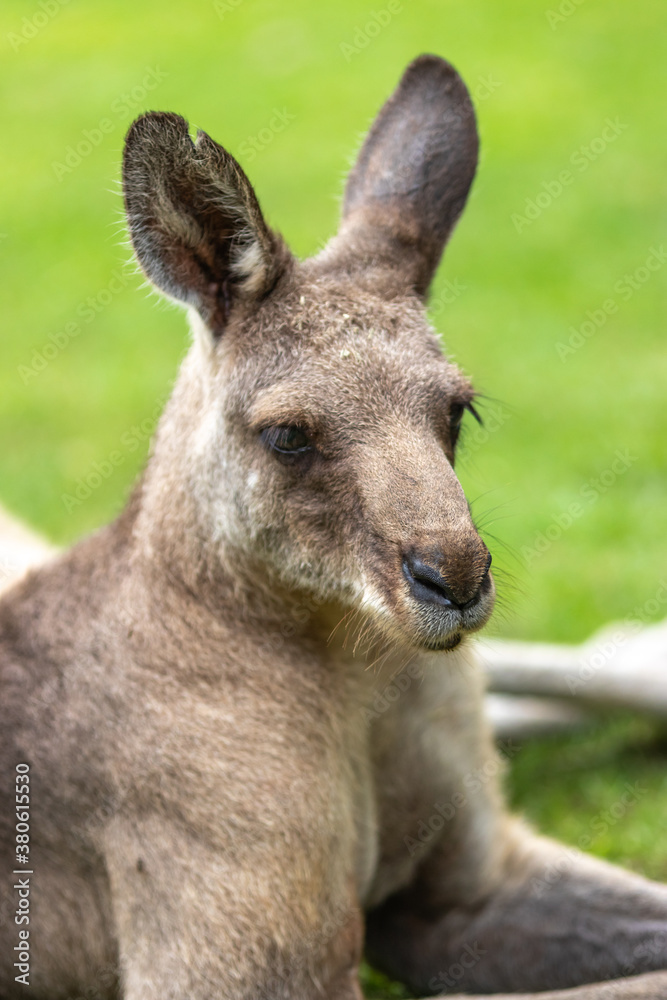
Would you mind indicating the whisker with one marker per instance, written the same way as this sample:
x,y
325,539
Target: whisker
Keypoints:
x,y
338,625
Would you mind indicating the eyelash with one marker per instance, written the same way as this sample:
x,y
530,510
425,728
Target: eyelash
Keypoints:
x,y
288,442
456,418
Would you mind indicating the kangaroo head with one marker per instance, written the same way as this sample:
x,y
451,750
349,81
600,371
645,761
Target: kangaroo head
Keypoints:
x,y
309,444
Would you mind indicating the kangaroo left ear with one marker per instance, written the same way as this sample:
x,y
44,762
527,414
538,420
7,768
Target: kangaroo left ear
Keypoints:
x,y
411,179
195,222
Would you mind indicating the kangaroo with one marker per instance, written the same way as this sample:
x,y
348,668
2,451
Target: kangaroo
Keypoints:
x,y
217,807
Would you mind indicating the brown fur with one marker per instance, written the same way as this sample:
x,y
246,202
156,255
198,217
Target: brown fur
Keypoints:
x,y
224,795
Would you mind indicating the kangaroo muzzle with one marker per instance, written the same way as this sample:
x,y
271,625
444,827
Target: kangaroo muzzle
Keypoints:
x,y
435,579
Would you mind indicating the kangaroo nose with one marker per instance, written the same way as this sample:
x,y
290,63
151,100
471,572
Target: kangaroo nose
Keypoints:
x,y
428,584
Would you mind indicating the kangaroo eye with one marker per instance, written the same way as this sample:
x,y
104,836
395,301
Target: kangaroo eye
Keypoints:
x,y
456,418
287,440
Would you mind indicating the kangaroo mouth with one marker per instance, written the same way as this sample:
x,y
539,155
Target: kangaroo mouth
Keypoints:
x,y
414,608
444,645
441,627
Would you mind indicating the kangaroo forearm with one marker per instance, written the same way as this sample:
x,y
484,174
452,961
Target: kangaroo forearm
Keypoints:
x,y
574,947
550,924
650,987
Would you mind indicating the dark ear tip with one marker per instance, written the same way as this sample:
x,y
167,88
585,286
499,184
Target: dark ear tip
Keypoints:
x,y
435,70
156,126
428,62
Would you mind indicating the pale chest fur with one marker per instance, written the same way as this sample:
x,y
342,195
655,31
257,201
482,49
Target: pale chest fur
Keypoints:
x,y
433,768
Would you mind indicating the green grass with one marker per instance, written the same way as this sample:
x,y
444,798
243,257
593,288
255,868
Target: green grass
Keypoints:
x,y
542,93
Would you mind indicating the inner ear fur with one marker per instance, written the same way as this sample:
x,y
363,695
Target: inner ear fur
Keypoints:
x,y
195,223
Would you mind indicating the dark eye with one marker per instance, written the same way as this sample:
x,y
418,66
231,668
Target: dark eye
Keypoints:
x,y
456,418
288,441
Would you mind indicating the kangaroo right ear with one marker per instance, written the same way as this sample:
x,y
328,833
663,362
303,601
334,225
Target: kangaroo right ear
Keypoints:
x,y
411,179
195,222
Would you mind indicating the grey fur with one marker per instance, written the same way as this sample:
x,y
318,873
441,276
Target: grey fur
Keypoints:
x,y
219,808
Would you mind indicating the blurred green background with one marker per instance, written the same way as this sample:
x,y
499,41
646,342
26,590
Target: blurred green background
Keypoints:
x,y
550,297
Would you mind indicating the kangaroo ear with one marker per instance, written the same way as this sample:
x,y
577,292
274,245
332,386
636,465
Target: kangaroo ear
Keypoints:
x,y
412,176
195,222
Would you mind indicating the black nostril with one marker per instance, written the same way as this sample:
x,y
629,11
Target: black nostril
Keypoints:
x,y
427,584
